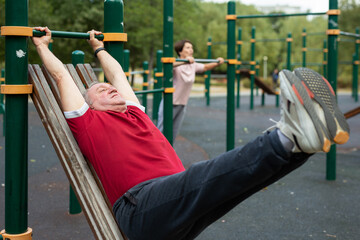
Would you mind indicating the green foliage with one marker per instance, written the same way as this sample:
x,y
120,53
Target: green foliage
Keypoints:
x,y
194,20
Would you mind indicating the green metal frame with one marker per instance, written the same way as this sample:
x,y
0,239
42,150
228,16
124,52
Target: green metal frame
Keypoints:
x,y
168,68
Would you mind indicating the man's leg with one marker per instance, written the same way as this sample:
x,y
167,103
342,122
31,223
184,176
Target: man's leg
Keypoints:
x,y
180,206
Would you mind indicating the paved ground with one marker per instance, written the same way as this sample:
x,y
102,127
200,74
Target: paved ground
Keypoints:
x,y
303,205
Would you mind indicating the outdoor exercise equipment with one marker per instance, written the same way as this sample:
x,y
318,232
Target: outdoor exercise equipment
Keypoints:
x,y
16,87
332,33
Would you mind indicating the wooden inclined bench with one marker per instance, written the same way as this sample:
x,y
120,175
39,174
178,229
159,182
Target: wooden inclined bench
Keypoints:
x,y
82,177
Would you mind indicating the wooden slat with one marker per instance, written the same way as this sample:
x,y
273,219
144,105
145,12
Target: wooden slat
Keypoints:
x,y
352,113
84,75
91,72
53,85
93,203
75,77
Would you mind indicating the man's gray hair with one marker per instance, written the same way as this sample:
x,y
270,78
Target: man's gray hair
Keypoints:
x,y
85,93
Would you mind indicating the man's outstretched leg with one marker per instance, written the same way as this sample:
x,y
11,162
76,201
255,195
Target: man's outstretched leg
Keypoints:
x,y
180,206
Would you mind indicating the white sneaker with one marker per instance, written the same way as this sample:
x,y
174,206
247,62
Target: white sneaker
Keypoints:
x,y
310,117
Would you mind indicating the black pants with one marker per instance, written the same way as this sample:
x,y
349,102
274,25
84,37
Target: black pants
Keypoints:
x,y
182,205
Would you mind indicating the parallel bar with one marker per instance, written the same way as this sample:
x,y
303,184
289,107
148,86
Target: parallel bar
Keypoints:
x,y
271,40
350,34
159,90
278,15
199,60
64,34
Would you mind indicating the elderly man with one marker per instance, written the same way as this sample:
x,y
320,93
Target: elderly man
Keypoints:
x,y
153,196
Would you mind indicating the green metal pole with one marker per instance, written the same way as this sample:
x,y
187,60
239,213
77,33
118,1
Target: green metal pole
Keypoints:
x,y
230,107
77,57
158,84
114,23
356,68
325,62
252,68
332,77
168,68
304,48
126,64
208,75
238,75
145,83
288,59
16,120
2,104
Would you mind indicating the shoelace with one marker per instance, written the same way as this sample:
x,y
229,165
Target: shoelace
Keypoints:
x,y
271,127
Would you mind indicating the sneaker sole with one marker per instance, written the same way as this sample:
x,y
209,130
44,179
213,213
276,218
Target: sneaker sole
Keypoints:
x,y
302,96
320,90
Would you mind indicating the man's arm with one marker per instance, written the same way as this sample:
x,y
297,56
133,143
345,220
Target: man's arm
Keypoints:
x,y
71,97
210,66
112,69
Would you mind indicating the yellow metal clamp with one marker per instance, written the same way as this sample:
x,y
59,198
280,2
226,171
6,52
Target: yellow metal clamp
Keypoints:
x,y
252,40
115,37
232,61
252,62
16,31
325,50
252,72
146,72
168,60
209,43
22,236
333,12
127,74
169,90
333,32
356,62
357,40
145,84
231,17
2,79
239,42
303,34
16,89
304,49
159,74
324,62
289,39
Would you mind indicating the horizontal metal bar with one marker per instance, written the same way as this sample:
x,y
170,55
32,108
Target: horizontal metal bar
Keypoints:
x,y
160,90
271,40
350,40
63,34
200,60
307,64
315,49
315,33
278,15
137,72
349,34
346,62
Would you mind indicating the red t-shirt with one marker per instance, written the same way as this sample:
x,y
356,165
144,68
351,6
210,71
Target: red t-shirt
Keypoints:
x,y
125,149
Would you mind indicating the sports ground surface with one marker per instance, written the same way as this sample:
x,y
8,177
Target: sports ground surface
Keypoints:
x,y
303,205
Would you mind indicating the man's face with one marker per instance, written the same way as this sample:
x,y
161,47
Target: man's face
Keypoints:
x,y
104,97
187,50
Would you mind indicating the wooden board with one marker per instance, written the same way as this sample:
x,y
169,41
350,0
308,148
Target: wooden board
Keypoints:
x,y
85,185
